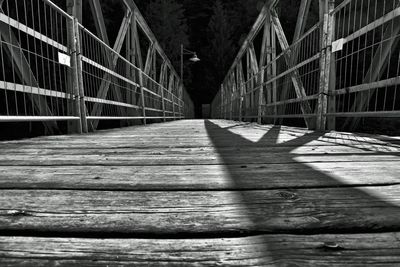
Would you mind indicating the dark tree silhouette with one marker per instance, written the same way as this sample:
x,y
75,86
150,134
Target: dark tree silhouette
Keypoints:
x,y
242,15
169,24
219,53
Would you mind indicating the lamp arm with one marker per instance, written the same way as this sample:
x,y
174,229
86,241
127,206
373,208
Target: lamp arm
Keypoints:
x,y
188,52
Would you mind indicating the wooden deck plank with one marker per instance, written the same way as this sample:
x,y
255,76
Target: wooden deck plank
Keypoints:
x,y
80,158
263,250
189,192
253,153
200,177
207,212
192,142
182,143
195,151
196,131
214,144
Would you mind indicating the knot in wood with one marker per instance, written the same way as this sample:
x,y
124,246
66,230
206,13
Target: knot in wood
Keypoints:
x,y
331,246
288,195
17,213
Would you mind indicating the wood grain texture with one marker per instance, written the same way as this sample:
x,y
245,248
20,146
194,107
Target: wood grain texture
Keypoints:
x,y
262,250
199,177
200,193
186,142
208,212
190,156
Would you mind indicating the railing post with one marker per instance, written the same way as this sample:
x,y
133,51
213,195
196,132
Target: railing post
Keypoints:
x,y
322,88
274,73
222,102
226,102
231,106
331,64
142,97
326,6
173,106
163,103
180,101
178,116
261,97
240,102
78,78
182,104
183,109
73,108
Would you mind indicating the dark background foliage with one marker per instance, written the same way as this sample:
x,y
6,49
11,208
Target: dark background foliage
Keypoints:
x,y
214,29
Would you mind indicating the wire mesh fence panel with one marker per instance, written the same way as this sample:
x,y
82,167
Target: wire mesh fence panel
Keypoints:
x,y
366,63
294,89
112,85
36,79
347,66
54,69
115,89
152,97
286,87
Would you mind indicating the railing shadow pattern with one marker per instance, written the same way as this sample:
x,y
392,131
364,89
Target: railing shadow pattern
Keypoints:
x,y
306,200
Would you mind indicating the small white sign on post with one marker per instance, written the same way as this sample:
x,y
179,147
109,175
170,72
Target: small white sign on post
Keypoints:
x,y
338,45
64,59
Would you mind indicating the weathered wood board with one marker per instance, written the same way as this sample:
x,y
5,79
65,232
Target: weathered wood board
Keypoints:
x,y
199,177
169,212
201,193
261,250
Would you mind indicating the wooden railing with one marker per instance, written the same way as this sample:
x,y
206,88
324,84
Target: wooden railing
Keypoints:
x,y
53,69
344,68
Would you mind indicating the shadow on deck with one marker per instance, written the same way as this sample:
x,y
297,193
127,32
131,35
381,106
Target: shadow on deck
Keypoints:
x,y
201,193
311,200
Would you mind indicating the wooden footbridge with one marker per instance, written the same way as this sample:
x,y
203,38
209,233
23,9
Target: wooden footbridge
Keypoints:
x,y
163,189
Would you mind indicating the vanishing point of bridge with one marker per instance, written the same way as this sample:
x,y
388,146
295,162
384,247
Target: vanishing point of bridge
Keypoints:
x,y
163,189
